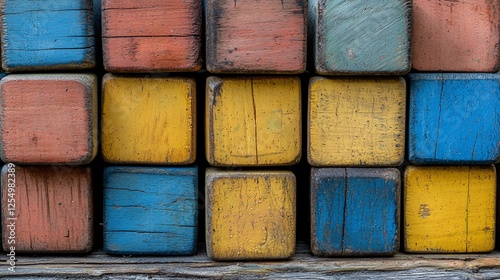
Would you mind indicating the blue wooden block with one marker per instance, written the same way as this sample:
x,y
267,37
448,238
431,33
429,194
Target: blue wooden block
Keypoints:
x,y
150,210
47,35
454,119
360,37
355,211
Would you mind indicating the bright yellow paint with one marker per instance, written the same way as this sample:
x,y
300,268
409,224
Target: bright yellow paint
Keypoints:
x,y
253,121
450,209
148,120
356,122
250,215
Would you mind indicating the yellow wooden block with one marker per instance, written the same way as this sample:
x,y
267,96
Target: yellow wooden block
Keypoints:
x,y
250,214
148,120
253,121
450,209
356,121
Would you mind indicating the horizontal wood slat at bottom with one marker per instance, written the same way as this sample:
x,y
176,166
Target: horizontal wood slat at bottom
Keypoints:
x,y
302,266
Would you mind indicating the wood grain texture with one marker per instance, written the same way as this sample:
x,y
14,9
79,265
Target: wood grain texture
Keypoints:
x,y
454,119
150,210
151,35
53,209
356,121
250,215
148,120
354,211
456,36
450,209
48,118
263,36
253,121
360,37
47,35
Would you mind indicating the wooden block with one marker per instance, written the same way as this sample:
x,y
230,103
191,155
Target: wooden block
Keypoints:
x,y
151,35
253,121
454,119
360,37
150,210
48,118
149,120
355,211
250,215
456,36
356,121
47,35
450,209
47,209
263,36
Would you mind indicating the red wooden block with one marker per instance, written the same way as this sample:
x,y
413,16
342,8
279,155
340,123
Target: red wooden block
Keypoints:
x,y
151,35
48,119
47,209
458,35
265,36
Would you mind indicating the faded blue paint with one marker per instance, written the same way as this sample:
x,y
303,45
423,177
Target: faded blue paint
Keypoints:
x,y
362,37
355,211
454,118
52,34
150,210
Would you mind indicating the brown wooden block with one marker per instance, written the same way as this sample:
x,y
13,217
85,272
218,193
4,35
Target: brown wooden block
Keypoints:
x,y
151,36
47,209
263,36
48,119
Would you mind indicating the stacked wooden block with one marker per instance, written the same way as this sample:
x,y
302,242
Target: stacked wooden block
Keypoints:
x,y
48,126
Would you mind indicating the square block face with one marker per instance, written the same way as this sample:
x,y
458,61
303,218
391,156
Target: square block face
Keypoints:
x,y
356,122
48,119
250,215
151,36
152,211
360,37
263,36
47,209
454,119
149,120
253,121
355,212
47,35
456,36
450,209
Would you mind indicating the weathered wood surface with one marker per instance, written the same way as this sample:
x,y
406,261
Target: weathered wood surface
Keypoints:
x,y
449,209
264,36
456,36
301,266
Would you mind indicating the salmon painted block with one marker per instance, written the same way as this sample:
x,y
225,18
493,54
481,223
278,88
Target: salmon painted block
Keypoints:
x,y
253,121
454,119
48,118
250,215
456,36
148,120
150,210
356,121
449,209
355,211
47,35
360,37
151,36
47,209
264,36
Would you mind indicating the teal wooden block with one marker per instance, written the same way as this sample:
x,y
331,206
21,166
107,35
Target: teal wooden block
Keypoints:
x,y
454,119
355,211
360,37
150,210
47,35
